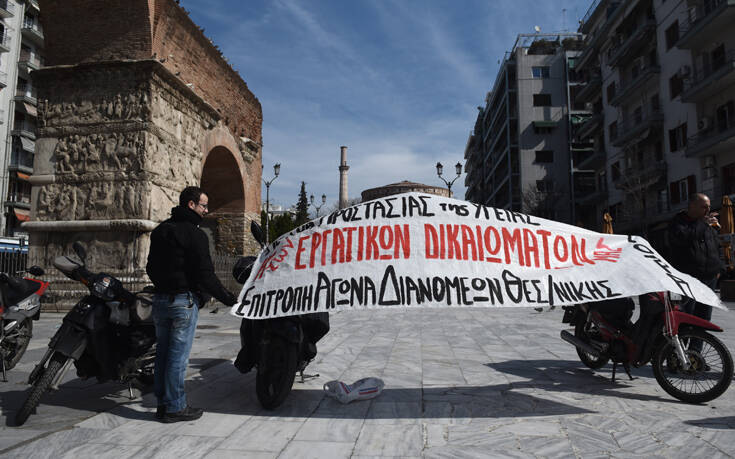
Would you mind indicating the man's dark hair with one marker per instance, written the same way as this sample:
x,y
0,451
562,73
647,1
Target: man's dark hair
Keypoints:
x,y
190,193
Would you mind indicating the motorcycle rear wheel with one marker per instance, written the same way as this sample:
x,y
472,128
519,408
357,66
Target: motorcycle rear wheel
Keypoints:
x,y
39,388
16,343
711,372
588,359
276,372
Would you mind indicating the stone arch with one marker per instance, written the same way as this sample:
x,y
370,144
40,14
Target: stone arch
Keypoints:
x,y
223,177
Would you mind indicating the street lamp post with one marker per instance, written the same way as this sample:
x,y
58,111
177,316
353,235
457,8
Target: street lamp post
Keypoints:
x,y
324,201
276,170
440,169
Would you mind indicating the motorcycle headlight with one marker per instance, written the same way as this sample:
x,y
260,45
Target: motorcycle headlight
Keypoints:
x,y
103,288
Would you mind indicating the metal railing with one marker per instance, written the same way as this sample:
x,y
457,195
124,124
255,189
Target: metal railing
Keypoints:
x,y
626,88
697,14
616,52
7,6
5,40
704,72
64,292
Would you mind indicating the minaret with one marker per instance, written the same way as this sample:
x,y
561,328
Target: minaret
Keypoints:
x,y
343,168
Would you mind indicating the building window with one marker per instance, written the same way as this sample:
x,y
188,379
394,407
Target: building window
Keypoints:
x,y
676,85
612,130
725,116
681,189
611,88
662,203
678,137
542,100
638,114
615,171
544,156
540,72
672,35
719,57
540,130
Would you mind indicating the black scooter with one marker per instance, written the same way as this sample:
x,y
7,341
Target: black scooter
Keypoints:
x,y
109,334
280,347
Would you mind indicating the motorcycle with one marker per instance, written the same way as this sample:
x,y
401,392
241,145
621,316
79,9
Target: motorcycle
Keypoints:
x,y
279,348
20,305
108,334
689,363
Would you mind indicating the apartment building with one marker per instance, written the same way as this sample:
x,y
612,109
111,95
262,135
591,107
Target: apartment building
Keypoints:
x,y
519,153
21,48
659,77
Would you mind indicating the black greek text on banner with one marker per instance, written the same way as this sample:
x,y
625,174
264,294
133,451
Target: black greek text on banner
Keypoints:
x,y
420,250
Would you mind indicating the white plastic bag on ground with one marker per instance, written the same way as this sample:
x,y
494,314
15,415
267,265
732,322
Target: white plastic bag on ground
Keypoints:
x,y
362,389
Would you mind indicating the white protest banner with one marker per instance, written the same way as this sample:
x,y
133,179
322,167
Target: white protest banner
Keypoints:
x,y
421,250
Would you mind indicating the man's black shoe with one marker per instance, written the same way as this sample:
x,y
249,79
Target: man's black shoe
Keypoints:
x,y
160,412
187,414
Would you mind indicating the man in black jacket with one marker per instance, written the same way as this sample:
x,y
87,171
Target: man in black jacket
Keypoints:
x,y
695,248
182,273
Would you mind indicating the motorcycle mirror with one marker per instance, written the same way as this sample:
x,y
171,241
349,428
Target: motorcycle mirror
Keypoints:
x,y
79,250
257,232
36,270
243,267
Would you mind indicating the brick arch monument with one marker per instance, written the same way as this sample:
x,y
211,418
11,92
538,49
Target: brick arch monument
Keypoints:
x,y
135,105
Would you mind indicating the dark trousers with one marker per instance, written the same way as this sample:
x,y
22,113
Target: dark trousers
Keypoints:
x,y
700,310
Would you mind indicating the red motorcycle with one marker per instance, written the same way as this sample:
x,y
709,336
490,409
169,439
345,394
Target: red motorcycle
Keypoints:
x,y
688,362
20,305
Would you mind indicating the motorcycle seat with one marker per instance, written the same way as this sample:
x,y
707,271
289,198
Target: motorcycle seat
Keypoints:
x,y
19,289
617,311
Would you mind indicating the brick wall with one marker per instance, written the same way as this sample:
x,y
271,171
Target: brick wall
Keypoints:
x,y
92,30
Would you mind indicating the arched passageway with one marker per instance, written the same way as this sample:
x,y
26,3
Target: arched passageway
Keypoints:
x,y
222,181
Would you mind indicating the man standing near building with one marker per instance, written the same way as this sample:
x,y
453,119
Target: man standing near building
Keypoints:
x,y
694,248
181,269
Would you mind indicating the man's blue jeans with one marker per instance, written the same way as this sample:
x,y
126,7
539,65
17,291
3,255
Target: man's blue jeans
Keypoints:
x,y
175,317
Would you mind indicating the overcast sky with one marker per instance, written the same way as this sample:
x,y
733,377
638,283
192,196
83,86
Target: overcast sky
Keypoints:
x,y
397,81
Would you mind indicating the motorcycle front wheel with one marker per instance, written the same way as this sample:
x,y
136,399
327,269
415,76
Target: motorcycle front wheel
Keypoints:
x,y
16,342
39,388
710,371
276,371
588,359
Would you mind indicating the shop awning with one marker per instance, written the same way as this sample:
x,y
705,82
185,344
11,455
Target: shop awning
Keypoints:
x,y
23,176
30,109
28,144
22,214
545,124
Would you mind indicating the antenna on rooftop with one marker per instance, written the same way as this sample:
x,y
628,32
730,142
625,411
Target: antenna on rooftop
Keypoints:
x,y
564,20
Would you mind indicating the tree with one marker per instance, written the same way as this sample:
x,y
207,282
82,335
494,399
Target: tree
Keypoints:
x,y
279,225
302,207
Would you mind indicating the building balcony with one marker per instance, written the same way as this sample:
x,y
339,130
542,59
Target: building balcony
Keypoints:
x,y
635,128
24,129
631,87
590,90
589,159
642,176
710,79
712,141
5,43
705,23
34,4
7,9
33,32
629,47
590,126
28,62
24,95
